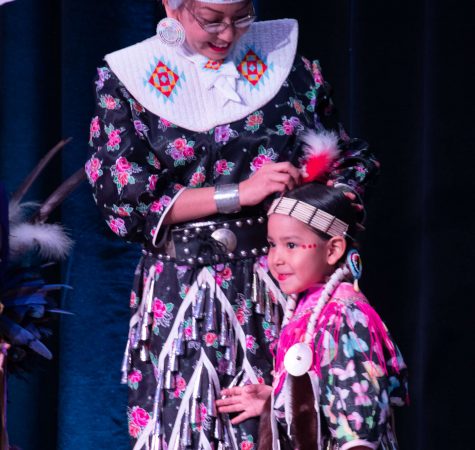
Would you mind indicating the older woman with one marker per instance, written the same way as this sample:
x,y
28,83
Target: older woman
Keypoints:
x,y
195,128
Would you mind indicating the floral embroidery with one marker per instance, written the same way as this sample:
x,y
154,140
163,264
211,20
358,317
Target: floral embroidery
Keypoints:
x,y
134,378
265,155
242,309
161,314
94,129
317,73
117,226
222,275
153,160
123,210
152,183
297,105
114,137
140,128
180,386
198,178
164,124
134,300
251,344
223,133
254,121
211,340
136,106
247,442
109,102
138,419
289,126
181,151
159,205
223,167
103,75
312,96
93,170
122,172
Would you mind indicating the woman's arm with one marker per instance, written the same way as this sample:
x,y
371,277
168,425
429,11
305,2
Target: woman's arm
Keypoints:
x,y
199,202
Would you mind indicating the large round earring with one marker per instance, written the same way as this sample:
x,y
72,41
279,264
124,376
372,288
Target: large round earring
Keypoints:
x,y
171,32
354,263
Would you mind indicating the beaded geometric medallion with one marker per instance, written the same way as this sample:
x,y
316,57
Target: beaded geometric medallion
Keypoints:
x,y
251,67
164,79
213,65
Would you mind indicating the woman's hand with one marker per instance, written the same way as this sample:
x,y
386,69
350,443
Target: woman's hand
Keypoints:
x,y
355,203
248,400
269,179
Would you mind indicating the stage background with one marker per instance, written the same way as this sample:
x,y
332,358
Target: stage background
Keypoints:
x,y
403,74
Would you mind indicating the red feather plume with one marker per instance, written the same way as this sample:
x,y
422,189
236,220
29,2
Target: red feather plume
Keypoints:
x,y
320,152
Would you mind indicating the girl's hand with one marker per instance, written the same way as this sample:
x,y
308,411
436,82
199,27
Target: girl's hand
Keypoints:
x,y
269,179
249,400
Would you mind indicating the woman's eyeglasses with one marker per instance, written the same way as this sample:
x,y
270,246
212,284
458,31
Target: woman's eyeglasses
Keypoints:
x,y
219,27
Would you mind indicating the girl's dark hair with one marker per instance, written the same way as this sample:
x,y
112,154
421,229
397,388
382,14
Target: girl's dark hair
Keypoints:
x,y
331,200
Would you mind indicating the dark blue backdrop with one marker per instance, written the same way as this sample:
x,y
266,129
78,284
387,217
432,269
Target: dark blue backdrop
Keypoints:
x,y
403,75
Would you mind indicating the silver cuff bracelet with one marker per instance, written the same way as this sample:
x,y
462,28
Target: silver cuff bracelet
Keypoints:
x,y
226,197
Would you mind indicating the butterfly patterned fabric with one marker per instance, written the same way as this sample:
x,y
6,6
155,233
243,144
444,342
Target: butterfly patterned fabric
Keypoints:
x,y
358,379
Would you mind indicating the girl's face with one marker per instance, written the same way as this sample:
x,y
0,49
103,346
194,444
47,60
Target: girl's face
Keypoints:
x,y
298,258
194,14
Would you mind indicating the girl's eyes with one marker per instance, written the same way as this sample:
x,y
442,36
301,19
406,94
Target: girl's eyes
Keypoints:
x,y
271,244
291,245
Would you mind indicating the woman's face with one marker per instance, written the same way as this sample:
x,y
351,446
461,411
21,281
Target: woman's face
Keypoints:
x,y
214,46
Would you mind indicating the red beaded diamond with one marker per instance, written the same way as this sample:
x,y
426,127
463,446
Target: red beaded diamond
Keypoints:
x,y
164,79
213,65
252,67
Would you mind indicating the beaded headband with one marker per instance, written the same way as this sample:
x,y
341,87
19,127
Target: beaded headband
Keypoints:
x,y
308,214
174,4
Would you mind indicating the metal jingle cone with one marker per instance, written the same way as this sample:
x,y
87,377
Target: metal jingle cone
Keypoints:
x,y
218,429
227,438
255,287
134,338
144,328
195,329
156,442
169,382
210,315
144,353
149,304
159,391
260,305
210,401
224,333
173,359
186,438
180,341
199,302
197,386
268,316
195,417
230,355
126,362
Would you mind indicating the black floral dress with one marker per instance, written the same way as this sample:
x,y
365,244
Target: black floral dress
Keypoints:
x,y
176,361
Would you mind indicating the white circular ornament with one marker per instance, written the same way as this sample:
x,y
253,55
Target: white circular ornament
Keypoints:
x,y
298,359
171,32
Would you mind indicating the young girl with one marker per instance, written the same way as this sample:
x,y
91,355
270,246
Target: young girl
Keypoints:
x,y
337,372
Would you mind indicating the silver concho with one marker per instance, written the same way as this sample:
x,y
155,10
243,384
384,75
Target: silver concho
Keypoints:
x,y
298,359
226,237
